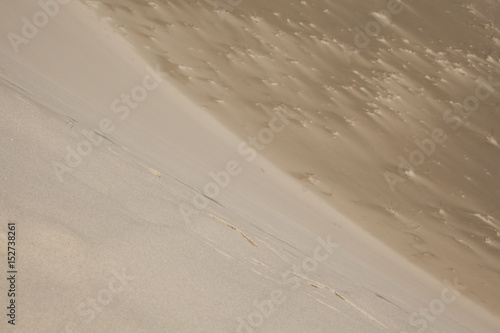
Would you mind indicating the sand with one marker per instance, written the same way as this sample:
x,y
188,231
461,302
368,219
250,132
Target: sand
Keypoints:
x,y
235,166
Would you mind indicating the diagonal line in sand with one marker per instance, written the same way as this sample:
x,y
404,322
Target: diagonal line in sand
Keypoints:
x,y
366,314
234,228
325,304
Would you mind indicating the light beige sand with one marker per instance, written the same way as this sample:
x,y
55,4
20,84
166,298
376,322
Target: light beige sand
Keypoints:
x,y
109,250
356,104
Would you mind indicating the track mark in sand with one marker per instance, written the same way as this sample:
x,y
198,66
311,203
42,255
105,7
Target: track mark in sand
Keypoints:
x,y
19,97
400,300
214,201
313,283
385,299
340,296
267,277
154,172
366,314
325,304
234,228
273,250
258,262
221,252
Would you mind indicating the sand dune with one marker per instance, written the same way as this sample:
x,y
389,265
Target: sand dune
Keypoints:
x,y
247,166
393,123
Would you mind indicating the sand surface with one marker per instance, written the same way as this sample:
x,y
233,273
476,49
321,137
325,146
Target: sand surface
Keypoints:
x,y
235,166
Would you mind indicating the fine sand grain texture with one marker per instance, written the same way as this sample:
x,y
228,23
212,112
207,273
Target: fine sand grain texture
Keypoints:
x,y
250,166
394,124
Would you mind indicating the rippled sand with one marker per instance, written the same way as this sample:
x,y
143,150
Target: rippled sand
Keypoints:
x,y
252,166
385,122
